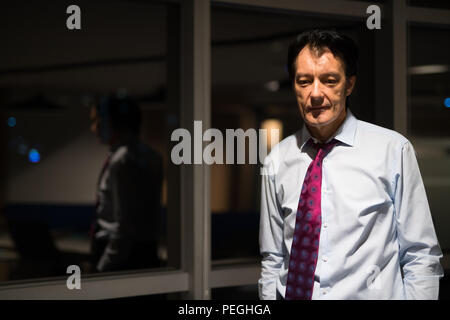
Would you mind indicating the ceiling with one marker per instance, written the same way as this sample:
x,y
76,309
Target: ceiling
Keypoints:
x,y
124,45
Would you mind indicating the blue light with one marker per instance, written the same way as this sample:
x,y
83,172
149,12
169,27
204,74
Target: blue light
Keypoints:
x,y
12,122
34,156
447,102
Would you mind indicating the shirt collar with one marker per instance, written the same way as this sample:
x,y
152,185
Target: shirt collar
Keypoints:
x,y
345,133
126,140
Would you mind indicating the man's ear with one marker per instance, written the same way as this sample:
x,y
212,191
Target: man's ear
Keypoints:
x,y
350,84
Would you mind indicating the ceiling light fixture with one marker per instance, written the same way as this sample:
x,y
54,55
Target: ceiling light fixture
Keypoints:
x,y
272,86
429,69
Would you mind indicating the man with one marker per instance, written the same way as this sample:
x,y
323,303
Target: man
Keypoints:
x,y
126,230
344,214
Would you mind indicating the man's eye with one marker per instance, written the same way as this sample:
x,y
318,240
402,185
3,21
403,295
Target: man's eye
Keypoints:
x,y
302,82
331,81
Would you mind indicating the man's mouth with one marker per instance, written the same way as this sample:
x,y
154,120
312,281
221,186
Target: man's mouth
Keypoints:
x,y
318,108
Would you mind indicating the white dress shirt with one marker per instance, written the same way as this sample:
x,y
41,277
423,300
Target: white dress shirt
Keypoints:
x,y
377,237
128,212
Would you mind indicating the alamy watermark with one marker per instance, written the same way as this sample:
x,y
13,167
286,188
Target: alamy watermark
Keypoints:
x,y
73,21
74,280
190,149
374,20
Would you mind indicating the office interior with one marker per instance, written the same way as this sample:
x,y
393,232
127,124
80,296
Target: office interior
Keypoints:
x,y
220,62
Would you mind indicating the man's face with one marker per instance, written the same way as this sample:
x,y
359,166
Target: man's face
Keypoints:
x,y
94,121
321,87
99,126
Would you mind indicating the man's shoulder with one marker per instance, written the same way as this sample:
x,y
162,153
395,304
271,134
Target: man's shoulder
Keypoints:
x,y
281,149
287,143
373,132
139,155
120,155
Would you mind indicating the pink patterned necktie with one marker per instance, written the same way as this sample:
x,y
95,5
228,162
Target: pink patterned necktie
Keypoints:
x,y
305,242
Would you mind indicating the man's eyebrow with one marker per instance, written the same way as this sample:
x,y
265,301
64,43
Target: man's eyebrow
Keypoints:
x,y
331,74
328,74
298,75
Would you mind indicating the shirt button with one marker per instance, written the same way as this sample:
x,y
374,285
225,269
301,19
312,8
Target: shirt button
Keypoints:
x,y
324,292
325,225
324,258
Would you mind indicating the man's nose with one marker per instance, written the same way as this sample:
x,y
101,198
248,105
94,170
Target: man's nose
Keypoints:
x,y
316,94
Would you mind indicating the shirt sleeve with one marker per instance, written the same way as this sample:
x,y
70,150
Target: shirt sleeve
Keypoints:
x,y
270,237
418,244
119,246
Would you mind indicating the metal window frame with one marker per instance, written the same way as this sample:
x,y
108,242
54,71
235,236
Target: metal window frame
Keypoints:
x,y
196,277
235,275
428,16
400,68
195,178
344,8
100,287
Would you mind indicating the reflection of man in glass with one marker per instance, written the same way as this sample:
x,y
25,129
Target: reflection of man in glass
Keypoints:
x,y
126,229
345,216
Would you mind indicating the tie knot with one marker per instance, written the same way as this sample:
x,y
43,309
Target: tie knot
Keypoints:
x,y
324,148
327,146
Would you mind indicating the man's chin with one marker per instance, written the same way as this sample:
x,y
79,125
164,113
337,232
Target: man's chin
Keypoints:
x,y
320,121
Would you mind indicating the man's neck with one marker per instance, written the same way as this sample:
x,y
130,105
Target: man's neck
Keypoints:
x,y
121,139
325,132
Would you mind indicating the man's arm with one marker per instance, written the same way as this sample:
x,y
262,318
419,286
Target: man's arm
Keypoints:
x,y
419,247
118,249
270,238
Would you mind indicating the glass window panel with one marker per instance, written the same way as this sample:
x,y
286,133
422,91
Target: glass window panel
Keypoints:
x,y
429,118
435,4
50,77
250,90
